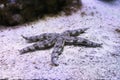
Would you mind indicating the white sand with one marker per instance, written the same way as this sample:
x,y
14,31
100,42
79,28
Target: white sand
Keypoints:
x,y
75,63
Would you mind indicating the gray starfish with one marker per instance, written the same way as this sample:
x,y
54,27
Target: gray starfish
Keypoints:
x,y
47,40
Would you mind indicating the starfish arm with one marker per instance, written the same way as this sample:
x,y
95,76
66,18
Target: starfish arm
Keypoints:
x,y
58,48
75,32
81,41
39,37
38,46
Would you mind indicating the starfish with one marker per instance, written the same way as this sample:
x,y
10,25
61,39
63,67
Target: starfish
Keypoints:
x,y
58,40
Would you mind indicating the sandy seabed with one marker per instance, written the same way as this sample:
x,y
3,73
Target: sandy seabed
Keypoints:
x,y
75,63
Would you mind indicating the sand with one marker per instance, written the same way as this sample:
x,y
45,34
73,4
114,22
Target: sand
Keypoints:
x,y
75,63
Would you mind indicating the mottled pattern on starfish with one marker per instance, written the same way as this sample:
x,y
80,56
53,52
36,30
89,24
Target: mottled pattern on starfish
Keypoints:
x,y
58,40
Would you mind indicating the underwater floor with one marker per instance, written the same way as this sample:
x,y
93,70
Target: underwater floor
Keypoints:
x,y
75,63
